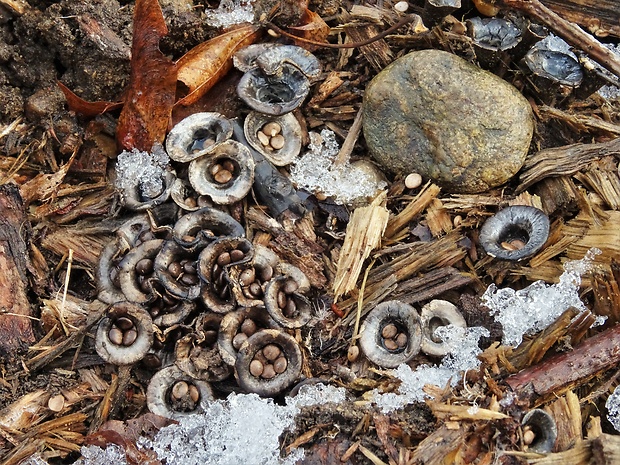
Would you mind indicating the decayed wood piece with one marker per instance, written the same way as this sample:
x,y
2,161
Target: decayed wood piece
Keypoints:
x,y
565,371
604,236
580,122
414,208
564,160
363,235
602,450
86,247
606,291
15,311
600,17
568,31
567,415
431,285
295,248
605,183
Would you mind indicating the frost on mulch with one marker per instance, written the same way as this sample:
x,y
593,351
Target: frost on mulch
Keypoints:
x,y
542,332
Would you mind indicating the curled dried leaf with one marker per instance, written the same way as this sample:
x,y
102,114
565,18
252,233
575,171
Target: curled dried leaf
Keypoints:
x,y
204,65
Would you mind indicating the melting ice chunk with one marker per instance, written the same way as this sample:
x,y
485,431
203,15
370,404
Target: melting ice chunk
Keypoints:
x,y
141,170
230,12
315,171
613,408
463,343
532,309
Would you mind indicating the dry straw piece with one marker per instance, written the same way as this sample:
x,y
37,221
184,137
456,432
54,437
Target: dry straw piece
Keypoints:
x,y
363,235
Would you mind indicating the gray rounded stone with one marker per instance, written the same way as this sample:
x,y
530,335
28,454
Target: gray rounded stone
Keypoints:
x,y
433,113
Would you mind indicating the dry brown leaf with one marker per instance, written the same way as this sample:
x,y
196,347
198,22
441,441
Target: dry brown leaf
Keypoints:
x,y
84,107
204,65
311,27
152,85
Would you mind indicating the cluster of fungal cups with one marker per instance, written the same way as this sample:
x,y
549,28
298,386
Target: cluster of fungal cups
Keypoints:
x,y
193,299
394,332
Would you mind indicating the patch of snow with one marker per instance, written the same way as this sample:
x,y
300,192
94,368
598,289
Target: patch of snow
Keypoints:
x,y
315,171
94,455
463,343
230,12
532,309
141,170
613,408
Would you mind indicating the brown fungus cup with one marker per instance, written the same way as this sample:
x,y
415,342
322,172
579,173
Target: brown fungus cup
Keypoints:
x,y
174,394
268,362
285,304
391,334
125,334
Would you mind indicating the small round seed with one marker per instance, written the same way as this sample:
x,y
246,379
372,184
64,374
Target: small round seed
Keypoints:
x,y
189,279
228,165
266,273
236,255
390,344
238,340
144,266
528,437
180,389
413,181
189,267
401,6
272,128
280,365
248,327
56,403
281,299
353,353
116,336
123,323
223,176
389,331
188,238
129,337
401,340
256,290
289,286
290,308
223,259
256,368
268,371
216,168
277,142
247,276
262,137
210,337
190,202
271,352
194,393
175,269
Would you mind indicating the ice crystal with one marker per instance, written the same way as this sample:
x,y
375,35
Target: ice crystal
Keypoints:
x,y
532,309
230,12
463,344
613,408
94,455
141,170
609,92
315,171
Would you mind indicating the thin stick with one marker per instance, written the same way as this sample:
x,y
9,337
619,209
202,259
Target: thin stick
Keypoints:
x,y
347,146
406,20
360,304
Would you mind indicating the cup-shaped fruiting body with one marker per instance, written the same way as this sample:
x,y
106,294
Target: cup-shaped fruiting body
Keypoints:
x,y
213,264
176,269
278,138
174,394
434,314
274,94
167,310
515,233
236,327
140,199
184,195
125,334
285,304
108,282
271,57
539,431
249,281
200,227
552,59
198,354
268,362
225,175
197,135
391,334
493,34
136,273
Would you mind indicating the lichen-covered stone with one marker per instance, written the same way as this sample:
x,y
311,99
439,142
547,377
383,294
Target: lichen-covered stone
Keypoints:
x,y
433,113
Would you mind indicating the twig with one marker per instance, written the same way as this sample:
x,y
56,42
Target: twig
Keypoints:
x,y
347,146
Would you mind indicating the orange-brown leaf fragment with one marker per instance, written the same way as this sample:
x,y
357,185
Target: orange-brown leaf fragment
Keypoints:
x,y
204,65
84,107
311,26
150,96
